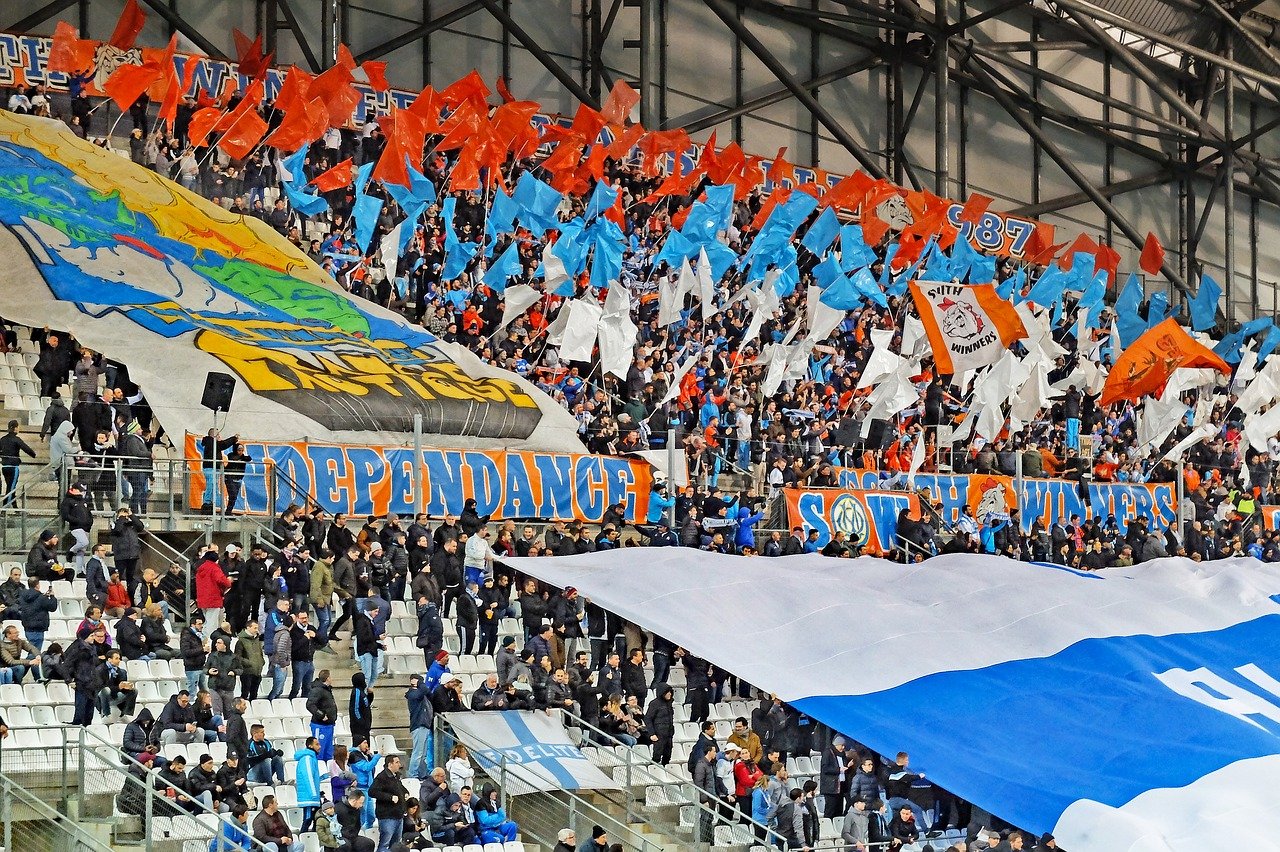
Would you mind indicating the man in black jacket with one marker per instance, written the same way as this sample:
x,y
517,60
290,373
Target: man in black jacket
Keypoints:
x,y
303,654
389,796
79,518
350,819
324,712
11,445
659,720
130,639
178,722
230,781
237,729
82,661
368,645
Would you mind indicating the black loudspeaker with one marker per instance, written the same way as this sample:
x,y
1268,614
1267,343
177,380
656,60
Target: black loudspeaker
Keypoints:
x,y
218,388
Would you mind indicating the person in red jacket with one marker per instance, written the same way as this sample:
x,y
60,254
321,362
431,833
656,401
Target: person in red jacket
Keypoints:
x,y
745,776
211,584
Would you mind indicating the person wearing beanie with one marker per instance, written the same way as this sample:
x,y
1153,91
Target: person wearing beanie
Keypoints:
x,y
565,840
438,670
506,661
599,841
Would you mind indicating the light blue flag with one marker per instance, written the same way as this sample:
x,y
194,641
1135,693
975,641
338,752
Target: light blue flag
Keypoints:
x,y
720,201
1254,326
537,202
1091,300
1128,323
1269,343
788,277
890,252
721,257
1204,307
822,233
1157,308
457,254
1228,348
702,223
866,285
606,263
602,198
572,246
826,272
938,265
1011,287
1049,287
410,226
419,191
362,176
294,165
303,202
963,257
506,266
502,214
842,294
983,269
675,248
367,208
854,251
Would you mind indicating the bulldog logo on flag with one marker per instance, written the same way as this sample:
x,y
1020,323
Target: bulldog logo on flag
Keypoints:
x,y
968,325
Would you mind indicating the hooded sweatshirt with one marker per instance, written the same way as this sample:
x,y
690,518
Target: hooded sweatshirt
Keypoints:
x,y
61,446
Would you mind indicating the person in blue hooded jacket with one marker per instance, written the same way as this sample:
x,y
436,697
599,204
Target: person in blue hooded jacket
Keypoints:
x,y
989,530
364,763
660,500
745,536
308,782
492,819
233,832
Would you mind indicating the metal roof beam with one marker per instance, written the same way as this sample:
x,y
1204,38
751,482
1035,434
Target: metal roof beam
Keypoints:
x,y
779,70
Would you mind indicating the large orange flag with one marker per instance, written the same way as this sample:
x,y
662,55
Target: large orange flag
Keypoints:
x,y
70,54
127,28
127,82
1145,367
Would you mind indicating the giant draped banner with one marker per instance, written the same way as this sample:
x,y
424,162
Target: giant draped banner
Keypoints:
x,y
1128,709
24,61
527,752
1046,499
173,286
869,518
370,480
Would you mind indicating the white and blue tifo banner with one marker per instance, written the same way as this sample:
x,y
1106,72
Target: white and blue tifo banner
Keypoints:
x,y
527,752
1126,709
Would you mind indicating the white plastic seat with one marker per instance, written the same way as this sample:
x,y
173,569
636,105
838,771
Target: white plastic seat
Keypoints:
x,y
176,671
159,670
43,715
261,709
287,797
147,691
282,708
137,670
18,717
59,693
274,729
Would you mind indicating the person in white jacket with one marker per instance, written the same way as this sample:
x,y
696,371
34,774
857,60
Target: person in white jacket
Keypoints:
x,y
459,768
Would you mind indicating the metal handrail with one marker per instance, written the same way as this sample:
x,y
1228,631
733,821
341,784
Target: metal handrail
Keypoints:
x,y
652,768
10,789
154,780
630,839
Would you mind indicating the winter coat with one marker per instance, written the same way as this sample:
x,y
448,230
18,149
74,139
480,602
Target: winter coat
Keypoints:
x,y
389,795
124,537
321,704
660,716
430,626
308,778
248,651
35,607
191,647
211,585
225,663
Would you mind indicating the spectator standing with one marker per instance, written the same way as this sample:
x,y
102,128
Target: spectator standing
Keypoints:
x,y
390,797
11,448
324,713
